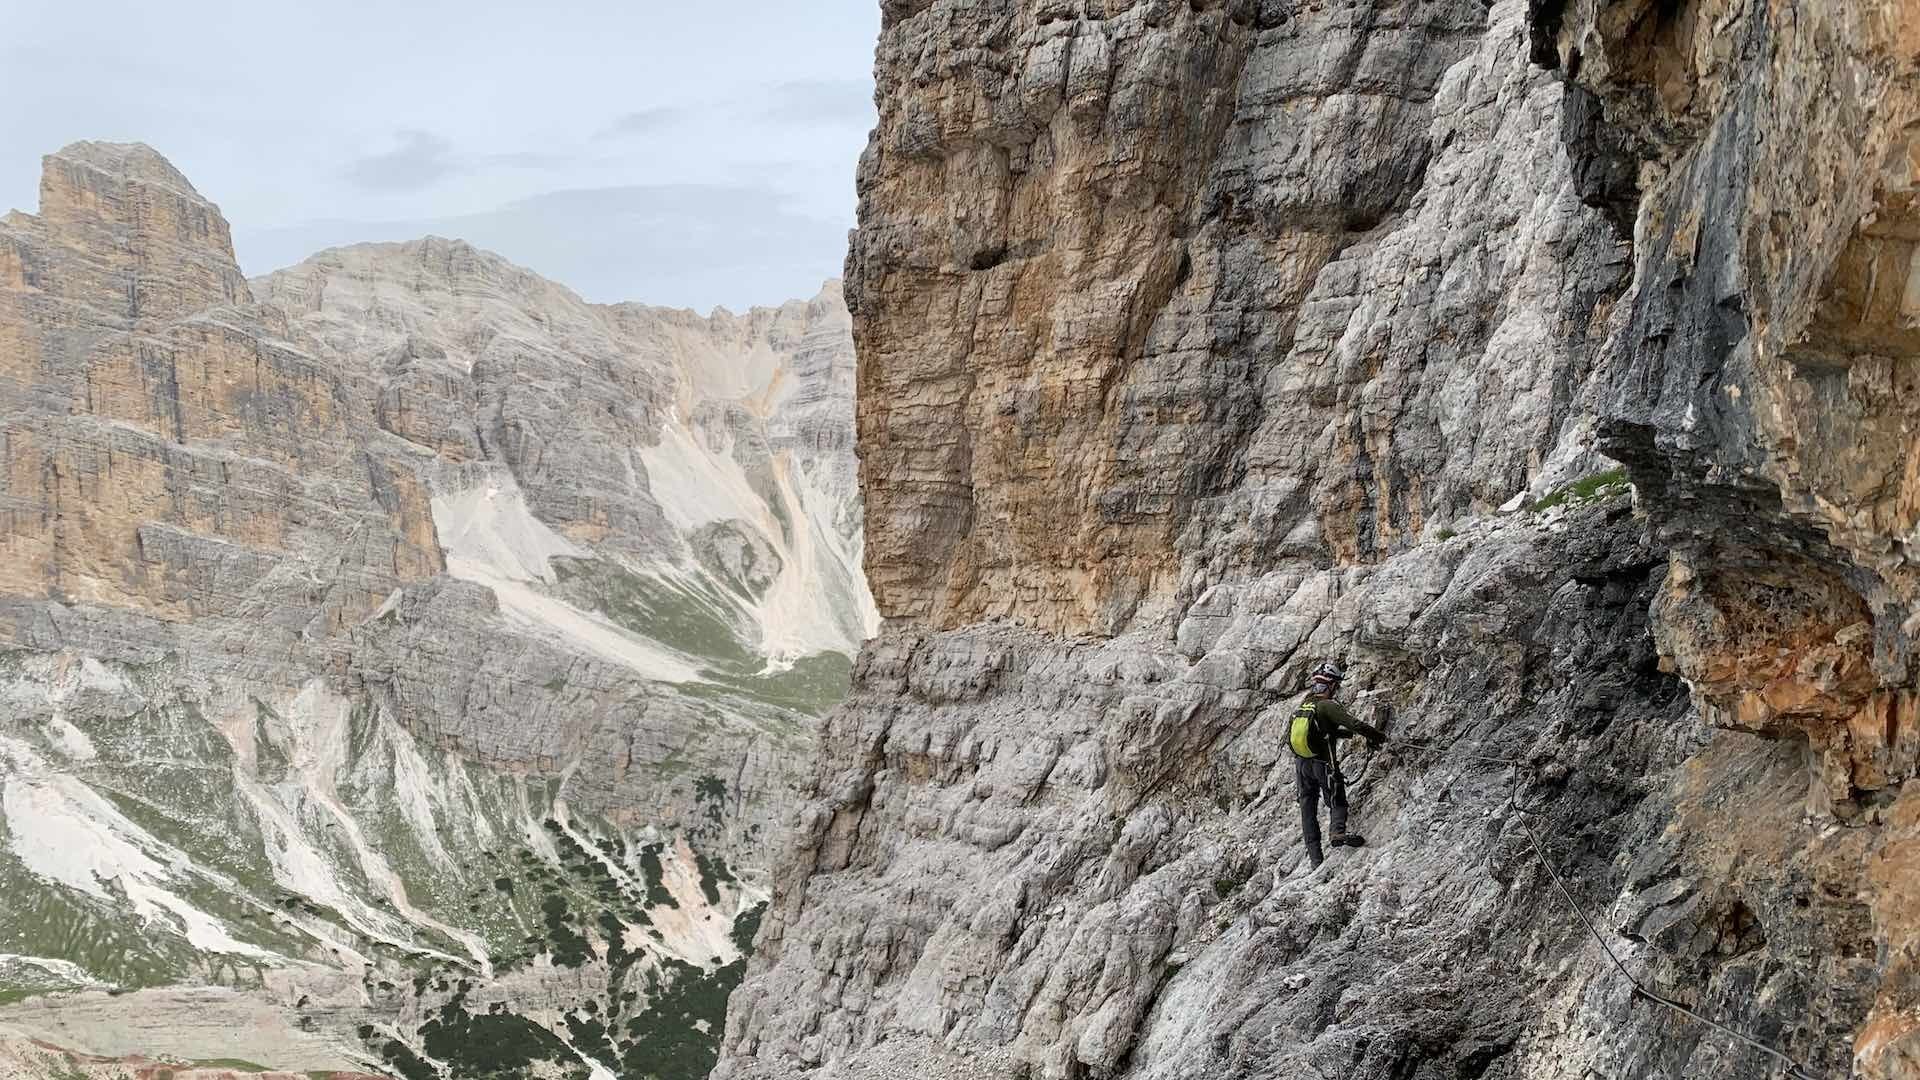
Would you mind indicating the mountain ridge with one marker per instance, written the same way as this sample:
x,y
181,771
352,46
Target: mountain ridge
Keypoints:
x,y
407,711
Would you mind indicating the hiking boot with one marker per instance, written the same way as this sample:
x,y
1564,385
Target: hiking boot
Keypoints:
x,y
1348,840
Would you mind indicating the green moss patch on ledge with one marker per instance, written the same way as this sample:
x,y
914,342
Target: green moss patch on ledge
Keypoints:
x,y
1586,489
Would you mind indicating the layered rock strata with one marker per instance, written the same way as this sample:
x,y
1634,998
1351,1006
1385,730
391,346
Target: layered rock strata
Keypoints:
x,y
404,661
1543,362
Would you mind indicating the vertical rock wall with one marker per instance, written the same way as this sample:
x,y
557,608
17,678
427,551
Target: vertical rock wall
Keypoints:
x,y
1763,376
1202,341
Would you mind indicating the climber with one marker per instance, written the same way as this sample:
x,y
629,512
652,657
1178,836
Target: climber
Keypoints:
x,y
1318,724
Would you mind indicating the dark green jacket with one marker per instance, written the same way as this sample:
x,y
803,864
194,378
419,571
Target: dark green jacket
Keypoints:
x,y
1337,722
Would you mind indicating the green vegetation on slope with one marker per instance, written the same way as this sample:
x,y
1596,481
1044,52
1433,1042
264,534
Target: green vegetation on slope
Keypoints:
x,y
702,622
456,837
1585,489
698,620
812,685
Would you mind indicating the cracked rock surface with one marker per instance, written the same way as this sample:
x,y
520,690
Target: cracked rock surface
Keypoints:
x,y
402,662
1546,363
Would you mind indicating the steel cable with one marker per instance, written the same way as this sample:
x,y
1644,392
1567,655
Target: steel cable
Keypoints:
x,y
1794,1067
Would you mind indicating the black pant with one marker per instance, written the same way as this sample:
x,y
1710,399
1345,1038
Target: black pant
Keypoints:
x,y
1313,777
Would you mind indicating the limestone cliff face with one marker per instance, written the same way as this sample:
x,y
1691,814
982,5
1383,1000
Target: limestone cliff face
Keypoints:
x,y
1199,342
1761,386
403,663
1129,215
129,384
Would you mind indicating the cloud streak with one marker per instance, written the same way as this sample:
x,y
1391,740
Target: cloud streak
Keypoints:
x,y
644,122
794,103
421,159
678,245
820,101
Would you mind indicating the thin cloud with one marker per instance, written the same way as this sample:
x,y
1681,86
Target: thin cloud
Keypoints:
x,y
798,103
421,159
528,159
682,245
821,102
643,122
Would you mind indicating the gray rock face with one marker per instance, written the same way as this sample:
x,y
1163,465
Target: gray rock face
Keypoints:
x,y
403,658
1268,333
653,493
1138,911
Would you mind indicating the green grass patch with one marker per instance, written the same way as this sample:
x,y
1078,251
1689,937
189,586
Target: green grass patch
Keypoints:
x,y
270,762
1585,489
41,918
697,621
812,685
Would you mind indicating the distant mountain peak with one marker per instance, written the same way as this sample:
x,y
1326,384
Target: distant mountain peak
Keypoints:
x,y
154,247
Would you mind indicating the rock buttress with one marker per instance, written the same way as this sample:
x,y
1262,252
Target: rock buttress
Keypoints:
x,y
1363,371
1762,384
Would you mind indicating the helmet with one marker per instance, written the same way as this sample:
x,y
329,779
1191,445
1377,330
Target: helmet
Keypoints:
x,y
1326,672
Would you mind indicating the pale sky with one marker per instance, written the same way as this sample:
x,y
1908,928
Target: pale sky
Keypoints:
x,y
686,154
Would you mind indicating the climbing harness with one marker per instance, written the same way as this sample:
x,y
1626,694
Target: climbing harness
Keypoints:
x,y
1794,1067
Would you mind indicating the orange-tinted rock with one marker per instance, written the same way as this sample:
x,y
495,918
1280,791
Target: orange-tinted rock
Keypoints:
x,y
162,430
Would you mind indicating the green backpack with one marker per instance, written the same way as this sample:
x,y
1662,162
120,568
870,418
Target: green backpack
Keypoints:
x,y
1304,735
